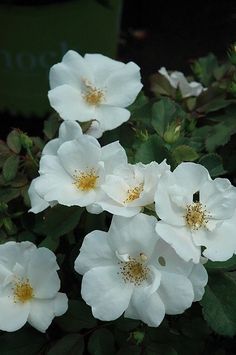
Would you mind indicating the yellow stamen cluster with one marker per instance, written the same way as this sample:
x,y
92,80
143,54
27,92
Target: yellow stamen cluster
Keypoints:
x,y
86,181
22,291
134,270
196,216
94,96
134,193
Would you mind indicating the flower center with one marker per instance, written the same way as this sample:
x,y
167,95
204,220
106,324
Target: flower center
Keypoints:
x,y
196,216
94,96
86,181
134,193
23,291
134,270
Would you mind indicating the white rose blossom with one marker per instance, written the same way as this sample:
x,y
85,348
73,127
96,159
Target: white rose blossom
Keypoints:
x,y
68,130
73,176
196,211
129,269
29,286
178,80
131,187
94,88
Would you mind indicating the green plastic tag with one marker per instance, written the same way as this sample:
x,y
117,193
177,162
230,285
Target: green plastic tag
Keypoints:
x,y
33,38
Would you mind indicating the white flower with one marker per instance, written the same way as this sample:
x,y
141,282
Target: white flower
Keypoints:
x,y
178,80
129,269
29,286
131,187
94,88
68,130
196,211
73,176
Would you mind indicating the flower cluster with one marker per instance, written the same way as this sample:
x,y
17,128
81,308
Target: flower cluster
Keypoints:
x,y
145,266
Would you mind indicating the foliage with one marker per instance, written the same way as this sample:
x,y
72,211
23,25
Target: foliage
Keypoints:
x,y
163,126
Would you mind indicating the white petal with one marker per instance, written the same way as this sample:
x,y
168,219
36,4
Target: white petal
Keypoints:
x,y
180,239
172,80
95,129
60,304
166,259
60,74
69,130
166,209
12,253
116,188
147,307
57,188
50,164
191,176
13,315
72,71
111,117
104,290
133,235
42,273
102,67
38,204
113,154
51,147
70,105
123,85
42,312
95,251
114,208
199,279
221,243
183,84
79,155
195,88
94,208
219,197
176,292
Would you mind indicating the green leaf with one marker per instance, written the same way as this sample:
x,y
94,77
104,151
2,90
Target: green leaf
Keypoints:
x,y
26,236
160,349
13,141
219,306
152,150
70,344
101,342
77,317
10,167
23,342
126,324
4,153
204,68
8,194
220,134
222,265
50,243
58,221
163,113
184,153
213,162
160,85
129,350
51,126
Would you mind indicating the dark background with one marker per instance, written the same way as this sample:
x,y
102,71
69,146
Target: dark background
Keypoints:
x,y
176,32
161,33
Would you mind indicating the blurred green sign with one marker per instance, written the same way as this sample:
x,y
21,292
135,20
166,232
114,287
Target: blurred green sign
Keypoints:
x,y
33,38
